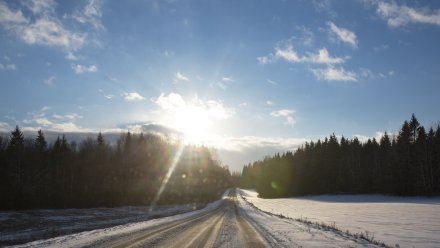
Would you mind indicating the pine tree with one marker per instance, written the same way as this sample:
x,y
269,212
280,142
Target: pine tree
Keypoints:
x,y
100,140
414,125
16,141
40,142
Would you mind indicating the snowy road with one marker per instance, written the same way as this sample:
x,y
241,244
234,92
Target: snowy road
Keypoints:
x,y
229,222
221,227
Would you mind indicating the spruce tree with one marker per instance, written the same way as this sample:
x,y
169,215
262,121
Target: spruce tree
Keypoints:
x,y
40,142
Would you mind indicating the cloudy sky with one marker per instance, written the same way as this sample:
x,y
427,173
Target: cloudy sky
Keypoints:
x,y
248,77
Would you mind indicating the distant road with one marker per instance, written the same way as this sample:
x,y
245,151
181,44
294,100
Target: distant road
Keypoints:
x,y
223,226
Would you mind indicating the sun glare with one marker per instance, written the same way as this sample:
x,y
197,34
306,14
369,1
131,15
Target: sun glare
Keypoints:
x,y
195,124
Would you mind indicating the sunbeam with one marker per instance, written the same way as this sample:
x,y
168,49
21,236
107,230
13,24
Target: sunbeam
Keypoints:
x,y
167,176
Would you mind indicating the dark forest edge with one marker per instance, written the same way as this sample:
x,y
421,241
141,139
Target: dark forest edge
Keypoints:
x,y
93,173
407,164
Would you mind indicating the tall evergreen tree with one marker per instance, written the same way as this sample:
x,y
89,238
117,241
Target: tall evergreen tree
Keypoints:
x,y
40,142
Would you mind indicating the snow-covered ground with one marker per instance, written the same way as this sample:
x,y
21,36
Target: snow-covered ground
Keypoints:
x,y
100,236
278,232
406,221
23,226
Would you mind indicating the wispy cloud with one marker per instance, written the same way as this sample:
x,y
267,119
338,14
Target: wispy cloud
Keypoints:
x,y
223,83
287,52
324,6
343,34
50,80
179,77
7,66
40,6
11,18
50,32
133,96
168,53
79,69
71,56
43,27
334,74
91,14
269,103
287,113
69,117
401,15
56,122
271,82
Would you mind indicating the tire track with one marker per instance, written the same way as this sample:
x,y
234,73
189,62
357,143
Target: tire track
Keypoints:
x,y
221,227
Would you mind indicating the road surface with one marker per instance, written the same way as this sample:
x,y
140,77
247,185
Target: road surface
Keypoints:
x,y
224,226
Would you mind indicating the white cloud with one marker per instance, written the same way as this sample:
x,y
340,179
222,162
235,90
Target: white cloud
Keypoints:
x,y
69,127
288,53
49,32
57,122
43,121
287,113
7,67
69,117
174,103
324,6
266,59
400,15
133,96
71,56
271,82
11,17
366,73
171,101
4,127
50,80
223,83
90,14
227,79
40,6
43,28
180,77
268,102
344,34
79,69
323,57
334,74
243,104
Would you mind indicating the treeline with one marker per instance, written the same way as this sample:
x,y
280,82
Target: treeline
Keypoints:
x,y
93,173
406,164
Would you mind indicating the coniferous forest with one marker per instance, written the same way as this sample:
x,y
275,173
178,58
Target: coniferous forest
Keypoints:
x,y
406,164
94,173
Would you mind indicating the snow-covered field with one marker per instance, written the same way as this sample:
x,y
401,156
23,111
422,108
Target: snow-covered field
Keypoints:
x,y
24,226
406,221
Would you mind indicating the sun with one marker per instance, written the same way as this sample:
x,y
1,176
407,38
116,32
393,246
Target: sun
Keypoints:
x,y
195,124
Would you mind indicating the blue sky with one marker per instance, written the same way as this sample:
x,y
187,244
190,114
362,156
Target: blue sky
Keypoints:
x,y
248,77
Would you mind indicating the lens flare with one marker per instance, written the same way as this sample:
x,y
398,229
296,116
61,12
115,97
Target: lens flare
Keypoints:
x,y
167,176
